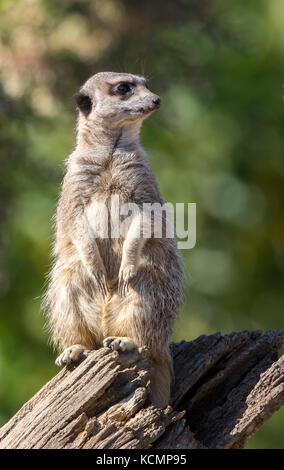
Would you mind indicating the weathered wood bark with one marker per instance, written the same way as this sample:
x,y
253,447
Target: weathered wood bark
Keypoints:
x,y
226,387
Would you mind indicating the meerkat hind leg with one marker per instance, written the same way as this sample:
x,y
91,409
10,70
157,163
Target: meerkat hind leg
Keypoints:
x,y
118,343
70,355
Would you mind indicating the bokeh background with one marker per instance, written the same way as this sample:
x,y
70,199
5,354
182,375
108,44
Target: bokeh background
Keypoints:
x,y
217,140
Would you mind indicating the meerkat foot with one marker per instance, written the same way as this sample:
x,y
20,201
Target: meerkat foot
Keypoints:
x,y
118,343
70,355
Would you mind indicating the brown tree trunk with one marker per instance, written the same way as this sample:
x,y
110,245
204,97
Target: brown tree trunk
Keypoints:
x,y
225,388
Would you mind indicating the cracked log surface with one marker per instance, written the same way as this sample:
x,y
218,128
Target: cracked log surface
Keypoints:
x,y
226,387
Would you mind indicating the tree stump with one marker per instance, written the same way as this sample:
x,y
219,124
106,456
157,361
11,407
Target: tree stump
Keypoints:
x,y
225,388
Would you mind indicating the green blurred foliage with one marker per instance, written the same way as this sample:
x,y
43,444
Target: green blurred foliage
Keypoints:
x,y
216,141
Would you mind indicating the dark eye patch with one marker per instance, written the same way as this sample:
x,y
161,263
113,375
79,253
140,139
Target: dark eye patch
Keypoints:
x,y
122,88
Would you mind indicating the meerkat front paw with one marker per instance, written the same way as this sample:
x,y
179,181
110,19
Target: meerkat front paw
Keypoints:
x,y
70,355
101,280
118,344
126,274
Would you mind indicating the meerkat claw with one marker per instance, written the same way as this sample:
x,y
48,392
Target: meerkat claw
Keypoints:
x,y
103,285
101,282
126,277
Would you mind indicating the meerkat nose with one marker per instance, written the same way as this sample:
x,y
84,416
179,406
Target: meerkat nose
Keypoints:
x,y
157,101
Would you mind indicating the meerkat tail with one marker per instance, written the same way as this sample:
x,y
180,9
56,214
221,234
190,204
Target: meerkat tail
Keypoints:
x,y
161,379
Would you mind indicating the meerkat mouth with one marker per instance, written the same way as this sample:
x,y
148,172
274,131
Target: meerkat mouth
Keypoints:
x,y
141,110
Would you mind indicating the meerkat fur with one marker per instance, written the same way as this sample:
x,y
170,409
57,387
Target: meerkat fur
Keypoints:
x,y
120,292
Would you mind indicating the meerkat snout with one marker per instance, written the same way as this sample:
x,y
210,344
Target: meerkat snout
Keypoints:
x,y
157,101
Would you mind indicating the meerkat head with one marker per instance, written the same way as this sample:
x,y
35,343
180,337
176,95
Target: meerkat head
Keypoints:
x,y
117,99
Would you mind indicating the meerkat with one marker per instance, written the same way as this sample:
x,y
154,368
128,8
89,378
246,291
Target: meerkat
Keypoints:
x,y
118,292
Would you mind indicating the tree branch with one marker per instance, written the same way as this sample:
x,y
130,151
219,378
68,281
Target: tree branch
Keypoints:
x,y
226,387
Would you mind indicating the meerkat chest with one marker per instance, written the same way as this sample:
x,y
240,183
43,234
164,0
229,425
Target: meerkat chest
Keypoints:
x,y
111,192
124,182
130,182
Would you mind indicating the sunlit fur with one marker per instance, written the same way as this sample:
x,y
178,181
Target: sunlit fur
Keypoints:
x,y
83,301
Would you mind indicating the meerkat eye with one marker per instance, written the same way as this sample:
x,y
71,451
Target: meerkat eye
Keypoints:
x,y
123,88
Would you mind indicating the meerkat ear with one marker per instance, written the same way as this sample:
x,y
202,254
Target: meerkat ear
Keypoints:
x,y
84,103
